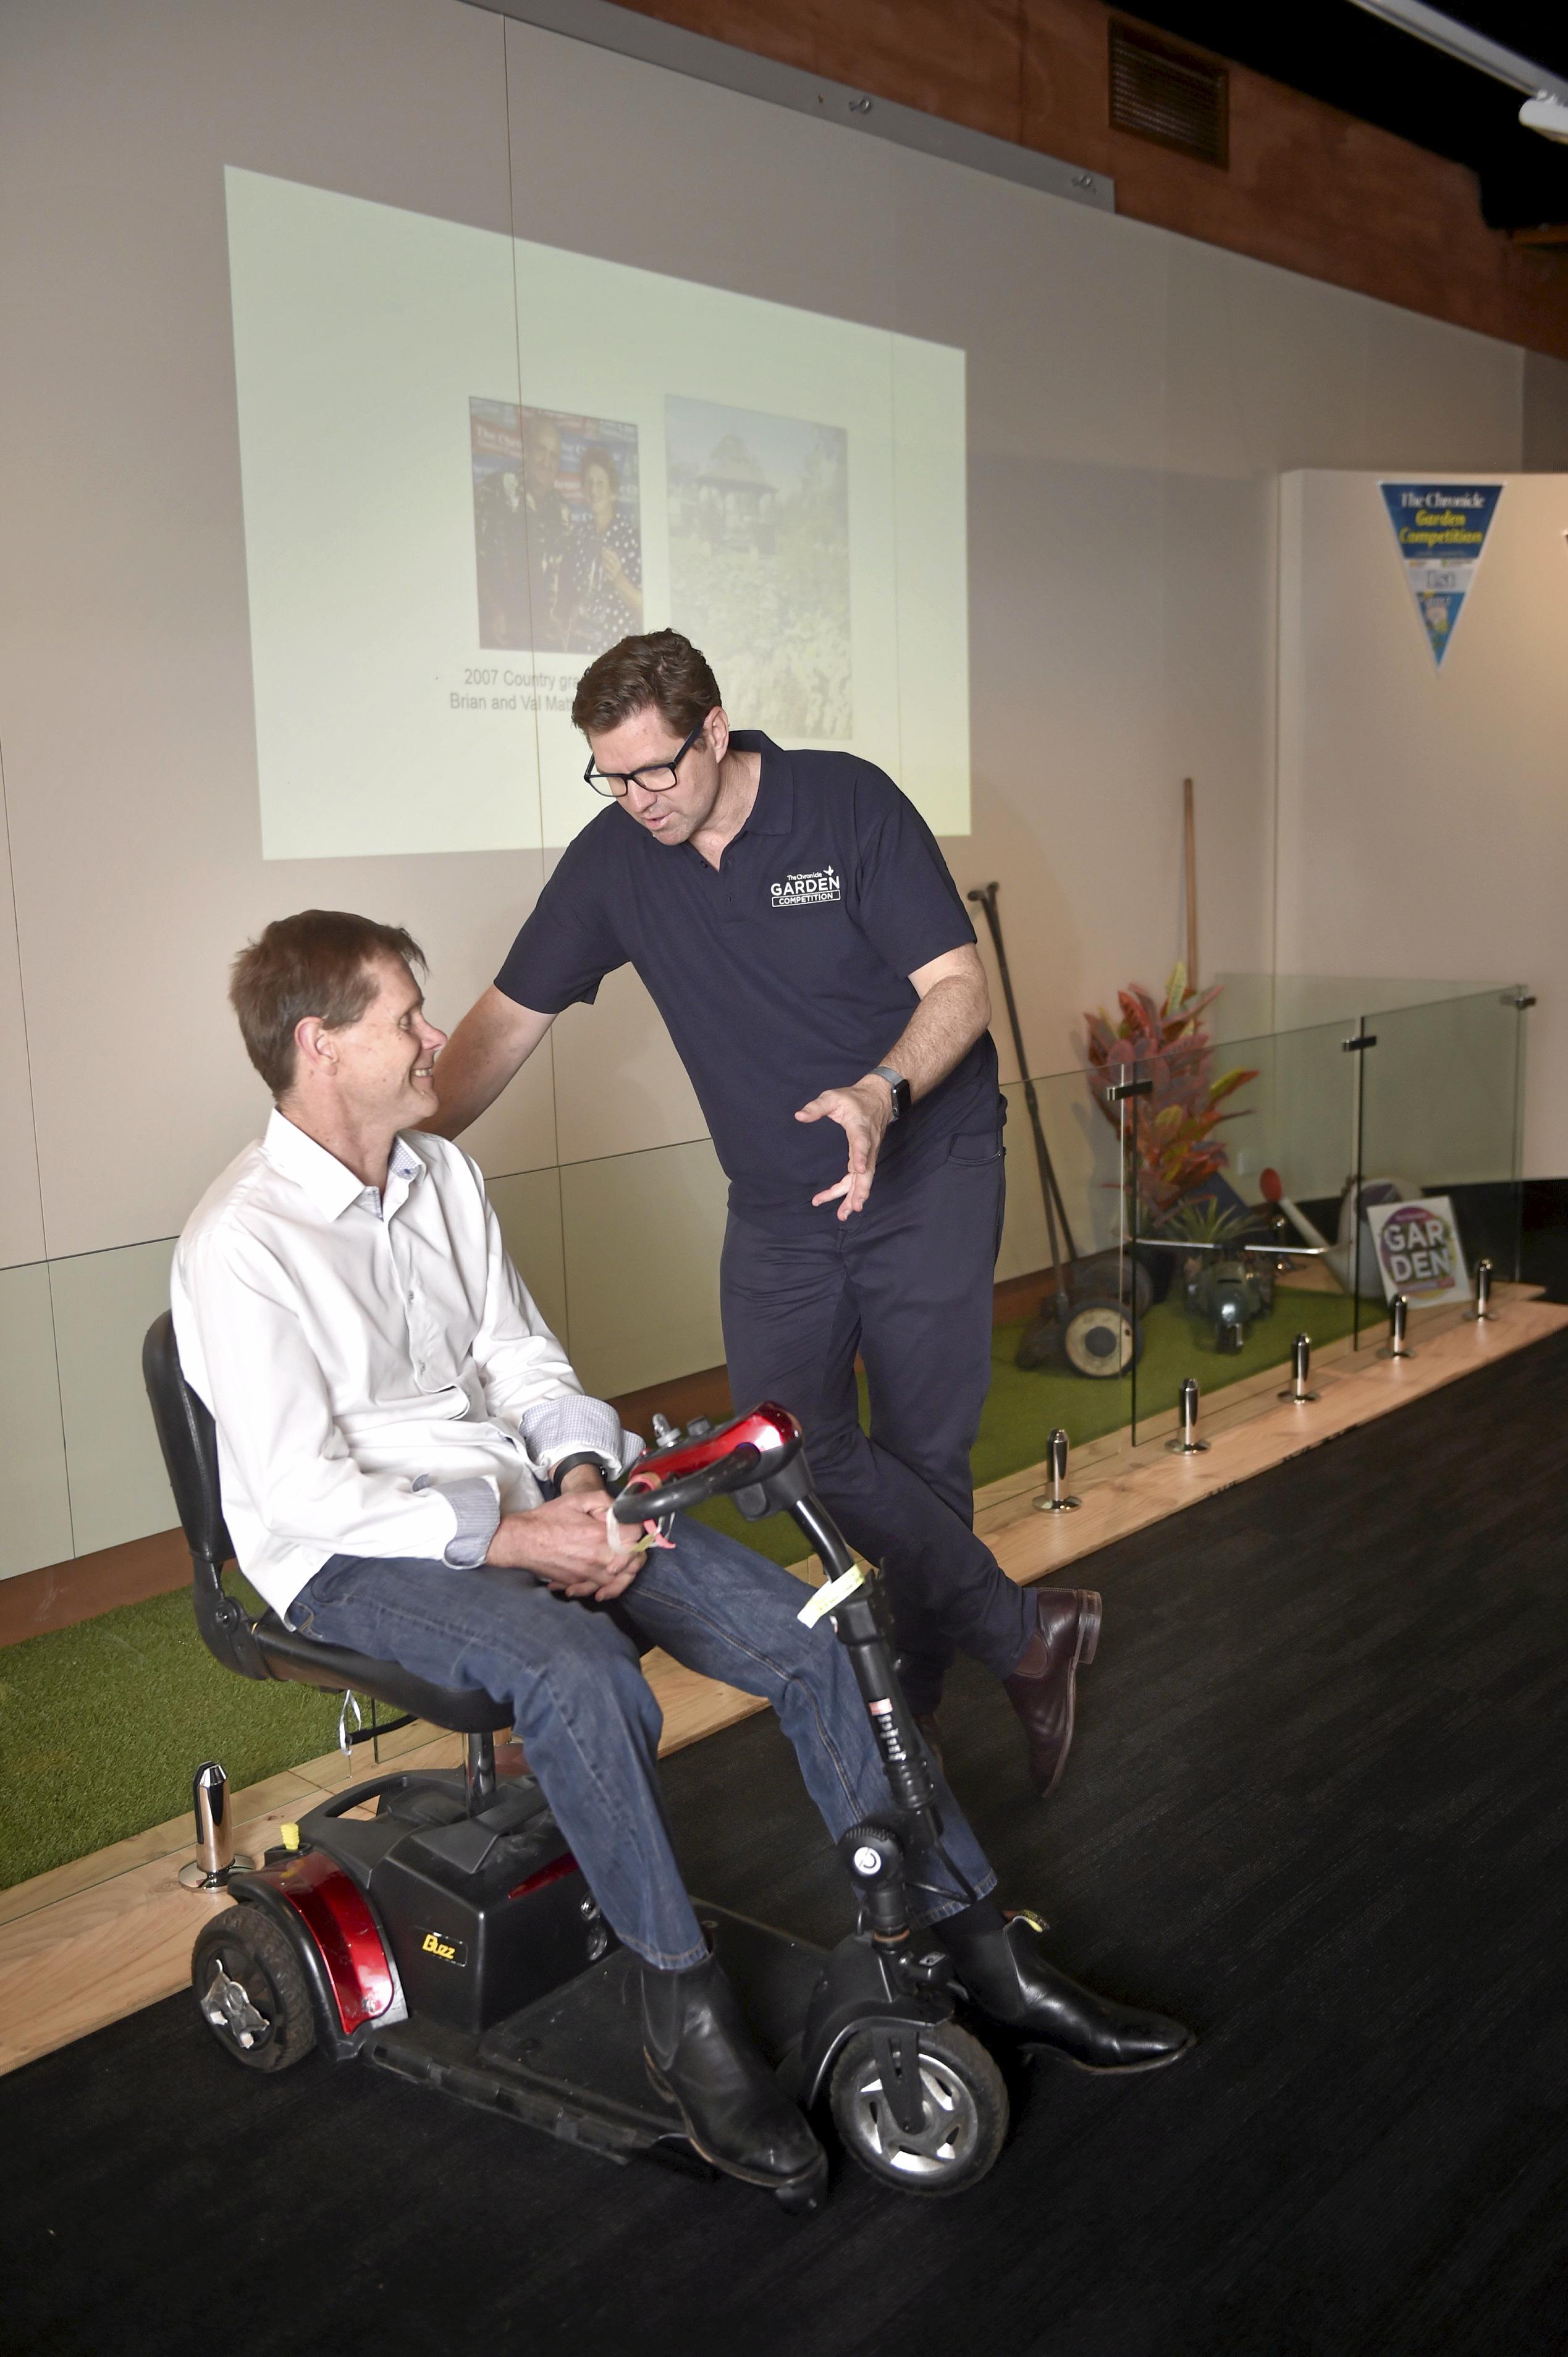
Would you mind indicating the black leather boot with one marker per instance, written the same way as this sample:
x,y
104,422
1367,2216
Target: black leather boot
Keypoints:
x,y
700,2052
1000,1964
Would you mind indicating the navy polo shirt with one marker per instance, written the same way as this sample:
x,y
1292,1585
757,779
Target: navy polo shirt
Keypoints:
x,y
781,973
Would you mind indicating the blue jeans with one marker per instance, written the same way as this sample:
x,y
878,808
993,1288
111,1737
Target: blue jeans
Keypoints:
x,y
581,1706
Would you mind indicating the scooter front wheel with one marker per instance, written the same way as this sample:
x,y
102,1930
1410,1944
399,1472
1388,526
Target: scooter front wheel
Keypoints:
x,y
962,2106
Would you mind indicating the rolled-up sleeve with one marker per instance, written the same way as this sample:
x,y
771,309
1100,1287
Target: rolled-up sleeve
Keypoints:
x,y
575,1425
478,1514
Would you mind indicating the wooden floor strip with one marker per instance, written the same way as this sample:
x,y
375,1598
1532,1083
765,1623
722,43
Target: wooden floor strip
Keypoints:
x,y
107,1934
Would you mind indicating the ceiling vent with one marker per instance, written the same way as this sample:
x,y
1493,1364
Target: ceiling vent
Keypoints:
x,y
1169,94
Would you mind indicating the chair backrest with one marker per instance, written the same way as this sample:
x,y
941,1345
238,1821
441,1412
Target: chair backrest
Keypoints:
x,y
188,1438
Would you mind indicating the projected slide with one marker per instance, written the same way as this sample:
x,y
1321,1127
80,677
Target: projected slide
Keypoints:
x,y
470,463
759,561
557,528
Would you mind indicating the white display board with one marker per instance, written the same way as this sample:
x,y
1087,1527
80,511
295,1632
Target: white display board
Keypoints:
x,y
1423,825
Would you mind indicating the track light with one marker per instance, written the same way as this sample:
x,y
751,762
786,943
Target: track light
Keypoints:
x,y
1545,109
1546,114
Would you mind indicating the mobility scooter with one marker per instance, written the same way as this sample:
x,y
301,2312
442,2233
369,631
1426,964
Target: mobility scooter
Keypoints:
x,y
450,1937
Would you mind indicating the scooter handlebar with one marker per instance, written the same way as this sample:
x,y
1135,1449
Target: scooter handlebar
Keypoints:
x,y
736,1471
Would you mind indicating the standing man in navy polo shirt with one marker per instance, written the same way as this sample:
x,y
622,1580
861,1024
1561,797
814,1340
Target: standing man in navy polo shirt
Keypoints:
x,y
793,920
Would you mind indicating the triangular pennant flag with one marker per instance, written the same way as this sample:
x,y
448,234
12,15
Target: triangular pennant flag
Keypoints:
x,y
1441,528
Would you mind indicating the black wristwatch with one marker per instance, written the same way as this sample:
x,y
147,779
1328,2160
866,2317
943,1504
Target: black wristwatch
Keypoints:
x,y
899,1086
570,1464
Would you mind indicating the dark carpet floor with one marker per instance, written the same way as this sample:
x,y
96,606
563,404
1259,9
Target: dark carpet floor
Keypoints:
x,y
1317,1804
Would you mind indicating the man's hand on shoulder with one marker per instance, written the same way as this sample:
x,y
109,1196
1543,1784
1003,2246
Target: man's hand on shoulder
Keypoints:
x,y
863,1112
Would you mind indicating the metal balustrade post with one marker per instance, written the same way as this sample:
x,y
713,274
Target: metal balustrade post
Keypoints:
x,y
1187,1442
1299,1388
1396,1347
1055,1501
215,1860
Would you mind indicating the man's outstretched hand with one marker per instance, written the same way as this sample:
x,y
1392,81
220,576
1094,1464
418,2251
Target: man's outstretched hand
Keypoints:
x,y
863,1112
567,1542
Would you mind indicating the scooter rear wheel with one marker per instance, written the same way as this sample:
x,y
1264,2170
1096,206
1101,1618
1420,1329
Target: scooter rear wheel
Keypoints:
x,y
251,1991
965,2105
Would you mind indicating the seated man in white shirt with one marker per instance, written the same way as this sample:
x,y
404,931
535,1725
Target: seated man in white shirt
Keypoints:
x,y
410,1468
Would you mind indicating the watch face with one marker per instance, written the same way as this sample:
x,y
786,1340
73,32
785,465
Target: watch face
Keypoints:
x,y
901,1088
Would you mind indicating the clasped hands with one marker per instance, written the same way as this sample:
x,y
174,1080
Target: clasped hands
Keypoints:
x,y
863,1112
567,1540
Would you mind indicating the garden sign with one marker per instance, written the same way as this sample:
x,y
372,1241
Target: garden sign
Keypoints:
x,y
1419,1250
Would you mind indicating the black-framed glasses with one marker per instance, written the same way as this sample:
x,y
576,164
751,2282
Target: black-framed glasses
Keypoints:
x,y
658,779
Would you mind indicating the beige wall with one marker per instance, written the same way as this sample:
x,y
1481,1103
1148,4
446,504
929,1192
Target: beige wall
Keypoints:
x,y
1132,396
1423,814
1545,435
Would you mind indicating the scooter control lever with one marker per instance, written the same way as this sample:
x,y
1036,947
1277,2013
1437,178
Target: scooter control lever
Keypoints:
x,y
639,1503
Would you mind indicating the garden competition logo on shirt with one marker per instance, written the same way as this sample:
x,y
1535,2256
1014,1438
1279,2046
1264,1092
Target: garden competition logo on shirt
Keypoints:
x,y
1441,528
807,891
1419,1250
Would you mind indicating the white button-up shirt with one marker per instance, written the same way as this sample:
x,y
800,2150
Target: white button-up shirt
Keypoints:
x,y
382,1381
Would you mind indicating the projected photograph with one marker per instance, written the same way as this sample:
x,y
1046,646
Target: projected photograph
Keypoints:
x,y
557,528
759,562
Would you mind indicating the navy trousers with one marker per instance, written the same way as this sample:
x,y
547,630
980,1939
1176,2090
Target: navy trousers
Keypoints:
x,y
905,1285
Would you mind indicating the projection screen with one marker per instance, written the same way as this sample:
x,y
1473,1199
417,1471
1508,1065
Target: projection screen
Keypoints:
x,y
470,462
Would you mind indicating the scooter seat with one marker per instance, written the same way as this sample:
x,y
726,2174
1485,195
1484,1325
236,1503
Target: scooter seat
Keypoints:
x,y
464,1710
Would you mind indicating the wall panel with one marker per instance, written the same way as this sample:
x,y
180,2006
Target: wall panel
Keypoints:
x,y
103,1304
529,1209
1423,823
34,1527
21,1203
642,1237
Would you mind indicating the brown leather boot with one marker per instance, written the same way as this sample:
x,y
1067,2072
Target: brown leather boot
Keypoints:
x,y
1041,1688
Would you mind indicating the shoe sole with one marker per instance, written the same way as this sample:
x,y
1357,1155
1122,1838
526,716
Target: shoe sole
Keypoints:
x,y
1111,2069
1090,1613
728,2168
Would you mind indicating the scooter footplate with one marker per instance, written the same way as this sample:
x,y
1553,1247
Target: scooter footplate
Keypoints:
x,y
571,2063
581,2048
772,1975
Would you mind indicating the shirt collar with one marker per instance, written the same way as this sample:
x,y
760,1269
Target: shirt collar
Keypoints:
x,y
773,811
330,1184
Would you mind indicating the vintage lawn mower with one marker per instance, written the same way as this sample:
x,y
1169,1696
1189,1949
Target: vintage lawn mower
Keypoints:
x,y
1091,1318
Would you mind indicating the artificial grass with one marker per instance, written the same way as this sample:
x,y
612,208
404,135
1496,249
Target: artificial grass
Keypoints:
x,y
101,1726
1024,1406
